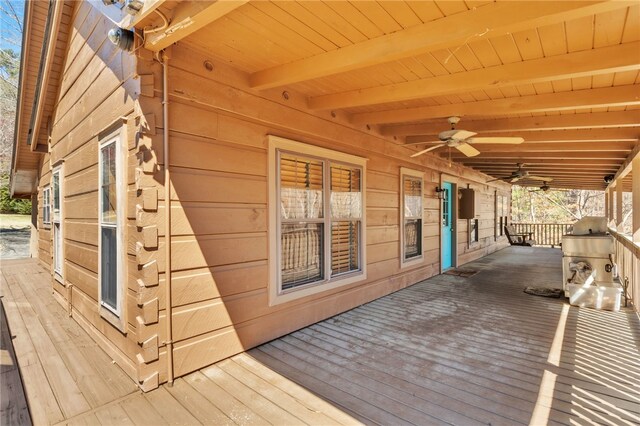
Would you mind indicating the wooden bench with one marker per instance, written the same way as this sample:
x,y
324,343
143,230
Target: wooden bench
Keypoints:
x,y
519,239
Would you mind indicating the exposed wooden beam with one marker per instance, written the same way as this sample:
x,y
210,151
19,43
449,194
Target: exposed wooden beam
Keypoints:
x,y
610,59
187,18
489,20
473,161
525,149
588,98
625,168
535,171
510,168
517,158
553,122
130,21
628,134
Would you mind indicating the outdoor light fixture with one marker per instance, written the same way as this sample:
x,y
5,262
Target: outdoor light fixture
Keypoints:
x,y
121,38
440,192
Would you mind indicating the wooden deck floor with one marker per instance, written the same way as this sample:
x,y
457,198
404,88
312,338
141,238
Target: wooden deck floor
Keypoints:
x,y
450,350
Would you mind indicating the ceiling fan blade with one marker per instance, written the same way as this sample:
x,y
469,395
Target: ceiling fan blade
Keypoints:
x,y
544,179
515,179
496,140
427,150
500,178
462,135
467,150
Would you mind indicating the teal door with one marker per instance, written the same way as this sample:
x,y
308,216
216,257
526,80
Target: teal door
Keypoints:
x,y
447,226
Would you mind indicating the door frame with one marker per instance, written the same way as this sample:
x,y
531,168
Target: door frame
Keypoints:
x,y
454,220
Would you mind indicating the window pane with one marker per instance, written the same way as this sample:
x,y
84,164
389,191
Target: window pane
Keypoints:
x,y
56,193
108,183
300,187
57,248
346,196
302,252
345,247
412,197
412,238
109,267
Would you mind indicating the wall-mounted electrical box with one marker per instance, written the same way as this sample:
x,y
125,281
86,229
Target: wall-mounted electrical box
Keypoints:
x,y
467,203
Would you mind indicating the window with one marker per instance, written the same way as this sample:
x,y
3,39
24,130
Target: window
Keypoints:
x,y
474,234
46,205
317,218
111,266
412,208
56,194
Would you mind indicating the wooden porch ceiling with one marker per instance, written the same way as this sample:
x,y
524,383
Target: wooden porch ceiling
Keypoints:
x,y
563,75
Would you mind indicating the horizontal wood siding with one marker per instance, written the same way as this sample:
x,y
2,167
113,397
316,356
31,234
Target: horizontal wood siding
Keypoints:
x,y
219,221
97,87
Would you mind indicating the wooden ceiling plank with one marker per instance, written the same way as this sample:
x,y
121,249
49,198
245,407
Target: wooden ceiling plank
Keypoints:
x,y
528,44
593,98
580,33
491,20
187,18
609,27
553,39
607,60
376,14
401,13
632,25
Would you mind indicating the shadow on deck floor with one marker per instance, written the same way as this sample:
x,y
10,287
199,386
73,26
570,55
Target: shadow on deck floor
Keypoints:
x,y
448,350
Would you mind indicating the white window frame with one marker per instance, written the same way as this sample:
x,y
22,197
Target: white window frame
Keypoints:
x,y
276,295
58,219
46,205
114,315
404,263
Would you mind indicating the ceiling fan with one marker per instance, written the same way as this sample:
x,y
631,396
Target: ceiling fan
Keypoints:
x,y
545,187
522,174
461,140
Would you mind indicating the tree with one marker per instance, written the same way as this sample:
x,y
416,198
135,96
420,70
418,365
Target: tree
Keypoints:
x,y
10,45
554,206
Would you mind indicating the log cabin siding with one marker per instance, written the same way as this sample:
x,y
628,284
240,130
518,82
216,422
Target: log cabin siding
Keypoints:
x,y
97,89
218,146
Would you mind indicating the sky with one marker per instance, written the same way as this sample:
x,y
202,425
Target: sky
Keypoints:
x,y
10,35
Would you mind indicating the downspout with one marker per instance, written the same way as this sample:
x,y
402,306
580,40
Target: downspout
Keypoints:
x,y
167,216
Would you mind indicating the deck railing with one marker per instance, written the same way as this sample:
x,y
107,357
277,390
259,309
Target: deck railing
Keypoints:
x,y
628,261
544,234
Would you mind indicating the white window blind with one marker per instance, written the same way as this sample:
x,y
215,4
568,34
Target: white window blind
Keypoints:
x,y
320,203
412,220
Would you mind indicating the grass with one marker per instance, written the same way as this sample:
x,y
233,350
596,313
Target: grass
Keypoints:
x,y
15,220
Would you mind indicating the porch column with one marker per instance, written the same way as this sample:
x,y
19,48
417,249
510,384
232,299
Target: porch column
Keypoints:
x,y
607,212
635,197
619,206
612,213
